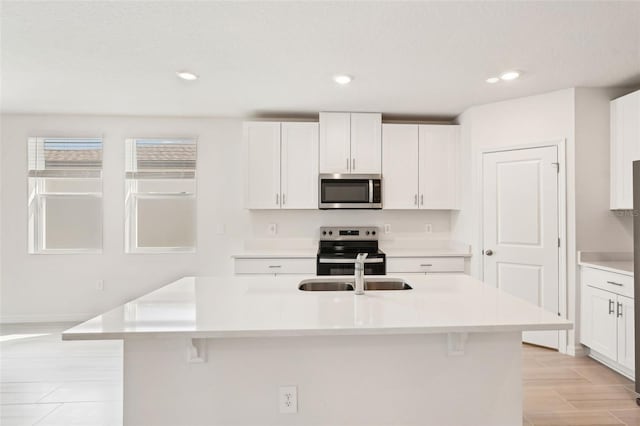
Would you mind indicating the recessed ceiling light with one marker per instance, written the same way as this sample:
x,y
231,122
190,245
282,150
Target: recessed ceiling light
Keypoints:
x,y
186,75
343,79
493,80
509,75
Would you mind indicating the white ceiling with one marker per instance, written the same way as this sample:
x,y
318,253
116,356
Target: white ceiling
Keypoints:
x,y
427,59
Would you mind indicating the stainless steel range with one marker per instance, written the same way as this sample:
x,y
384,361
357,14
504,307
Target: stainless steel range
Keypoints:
x,y
339,247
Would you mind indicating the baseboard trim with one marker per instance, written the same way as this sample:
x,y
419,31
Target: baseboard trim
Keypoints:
x,y
577,350
612,365
54,318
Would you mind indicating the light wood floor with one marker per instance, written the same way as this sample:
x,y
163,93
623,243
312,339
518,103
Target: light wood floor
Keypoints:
x,y
45,381
563,390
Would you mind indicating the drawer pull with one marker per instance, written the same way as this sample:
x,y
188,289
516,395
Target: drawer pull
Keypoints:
x,y
426,264
275,266
615,283
610,306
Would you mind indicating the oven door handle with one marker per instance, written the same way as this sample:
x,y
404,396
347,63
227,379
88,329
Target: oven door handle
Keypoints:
x,y
325,260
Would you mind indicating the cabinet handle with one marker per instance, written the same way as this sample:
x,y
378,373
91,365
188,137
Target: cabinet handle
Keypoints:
x,y
353,164
283,199
422,199
619,310
610,306
277,199
275,266
426,264
615,283
348,165
415,199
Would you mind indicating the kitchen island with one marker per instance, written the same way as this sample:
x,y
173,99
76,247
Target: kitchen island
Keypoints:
x,y
216,350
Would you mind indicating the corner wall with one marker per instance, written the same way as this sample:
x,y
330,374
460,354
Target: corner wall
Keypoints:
x,y
580,117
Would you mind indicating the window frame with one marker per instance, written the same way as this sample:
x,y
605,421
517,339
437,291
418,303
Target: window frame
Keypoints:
x,y
37,196
133,194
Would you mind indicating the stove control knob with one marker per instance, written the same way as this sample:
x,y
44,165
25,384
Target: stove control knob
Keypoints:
x,y
373,232
368,232
324,232
330,232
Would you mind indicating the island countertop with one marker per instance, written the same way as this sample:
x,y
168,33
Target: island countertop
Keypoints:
x,y
260,306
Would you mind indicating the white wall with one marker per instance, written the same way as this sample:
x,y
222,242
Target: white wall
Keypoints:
x,y
63,287
581,118
597,227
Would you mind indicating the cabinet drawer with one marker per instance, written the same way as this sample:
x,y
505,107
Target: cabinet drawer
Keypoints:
x,y
425,264
275,266
609,281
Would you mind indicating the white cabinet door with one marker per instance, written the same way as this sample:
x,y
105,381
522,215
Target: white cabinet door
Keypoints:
x,y
400,166
262,150
299,171
335,142
366,143
626,337
439,166
625,148
599,326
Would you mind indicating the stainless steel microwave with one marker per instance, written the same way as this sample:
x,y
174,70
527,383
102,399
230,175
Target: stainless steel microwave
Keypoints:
x,y
350,191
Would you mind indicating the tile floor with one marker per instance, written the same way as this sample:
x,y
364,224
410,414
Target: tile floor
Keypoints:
x,y
45,381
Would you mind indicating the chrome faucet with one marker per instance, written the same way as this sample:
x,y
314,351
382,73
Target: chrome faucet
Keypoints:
x,y
359,272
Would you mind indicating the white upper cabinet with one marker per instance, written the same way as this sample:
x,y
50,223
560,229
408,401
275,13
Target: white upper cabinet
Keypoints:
x,y
262,145
299,166
625,148
420,166
350,142
335,142
439,166
366,143
400,166
281,165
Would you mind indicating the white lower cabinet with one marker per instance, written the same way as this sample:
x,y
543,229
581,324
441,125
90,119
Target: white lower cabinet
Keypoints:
x,y
606,325
275,266
626,333
424,265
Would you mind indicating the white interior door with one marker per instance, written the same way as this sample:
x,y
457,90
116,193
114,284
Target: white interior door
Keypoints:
x,y
520,228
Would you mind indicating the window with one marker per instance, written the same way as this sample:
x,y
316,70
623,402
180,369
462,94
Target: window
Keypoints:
x,y
65,195
160,198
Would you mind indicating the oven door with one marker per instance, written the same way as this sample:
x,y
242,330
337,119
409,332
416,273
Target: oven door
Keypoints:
x,y
349,191
333,266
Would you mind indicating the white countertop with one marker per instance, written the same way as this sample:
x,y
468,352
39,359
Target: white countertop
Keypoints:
x,y
273,306
617,262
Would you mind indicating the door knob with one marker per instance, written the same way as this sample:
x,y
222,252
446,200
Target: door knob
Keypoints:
x,y
489,252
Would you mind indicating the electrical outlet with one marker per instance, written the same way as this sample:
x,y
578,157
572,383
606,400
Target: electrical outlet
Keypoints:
x,y
272,229
100,285
288,399
428,228
387,228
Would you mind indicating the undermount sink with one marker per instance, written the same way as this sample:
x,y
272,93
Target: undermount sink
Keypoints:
x,y
389,284
324,285
372,284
